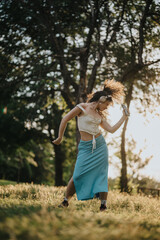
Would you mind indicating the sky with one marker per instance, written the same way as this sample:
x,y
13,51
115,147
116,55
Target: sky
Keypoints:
x,y
145,133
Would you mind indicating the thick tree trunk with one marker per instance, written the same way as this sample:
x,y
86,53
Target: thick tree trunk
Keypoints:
x,y
58,149
59,158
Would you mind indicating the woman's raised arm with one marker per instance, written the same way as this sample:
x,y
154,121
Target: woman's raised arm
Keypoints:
x,y
73,113
106,126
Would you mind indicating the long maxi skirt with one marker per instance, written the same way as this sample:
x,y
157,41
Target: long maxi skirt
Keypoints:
x,y
90,174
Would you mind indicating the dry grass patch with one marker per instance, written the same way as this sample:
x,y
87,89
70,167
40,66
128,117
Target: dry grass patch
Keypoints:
x,y
30,211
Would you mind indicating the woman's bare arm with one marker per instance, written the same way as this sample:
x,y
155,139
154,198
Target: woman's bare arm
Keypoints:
x,y
106,126
73,113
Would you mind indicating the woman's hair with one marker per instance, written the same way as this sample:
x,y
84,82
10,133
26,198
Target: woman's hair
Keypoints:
x,y
112,90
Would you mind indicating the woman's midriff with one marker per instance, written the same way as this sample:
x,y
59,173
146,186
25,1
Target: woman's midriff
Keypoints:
x,y
87,136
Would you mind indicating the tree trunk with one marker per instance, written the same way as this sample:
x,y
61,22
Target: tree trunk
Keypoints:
x,y
123,178
18,174
59,158
58,149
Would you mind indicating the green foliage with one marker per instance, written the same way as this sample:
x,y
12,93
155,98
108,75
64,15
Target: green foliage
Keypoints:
x,y
31,212
147,182
31,163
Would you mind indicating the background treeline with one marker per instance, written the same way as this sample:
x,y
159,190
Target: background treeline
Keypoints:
x,y
54,53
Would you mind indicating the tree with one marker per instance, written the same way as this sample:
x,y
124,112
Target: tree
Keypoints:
x,y
57,49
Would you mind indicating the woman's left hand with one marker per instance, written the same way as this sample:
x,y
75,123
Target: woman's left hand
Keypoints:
x,y
124,113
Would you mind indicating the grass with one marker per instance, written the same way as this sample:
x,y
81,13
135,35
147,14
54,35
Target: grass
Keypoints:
x,y
7,182
29,211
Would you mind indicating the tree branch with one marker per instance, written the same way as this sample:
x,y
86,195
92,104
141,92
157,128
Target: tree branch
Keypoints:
x,y
130,72
150,63
117,25
84,52
141,31
67,98
58,45
103,48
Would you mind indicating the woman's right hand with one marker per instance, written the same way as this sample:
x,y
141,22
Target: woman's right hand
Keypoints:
x,y
57,141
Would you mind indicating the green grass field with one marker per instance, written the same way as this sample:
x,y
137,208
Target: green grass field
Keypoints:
x,y
30,212
6,182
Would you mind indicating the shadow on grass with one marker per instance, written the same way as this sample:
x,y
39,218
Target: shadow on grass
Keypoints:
x,y
22,210
18,210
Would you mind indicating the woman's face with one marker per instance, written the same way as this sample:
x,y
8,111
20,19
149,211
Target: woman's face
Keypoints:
x,y
103,105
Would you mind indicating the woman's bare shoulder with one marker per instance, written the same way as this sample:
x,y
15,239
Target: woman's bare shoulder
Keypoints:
x,y
84,105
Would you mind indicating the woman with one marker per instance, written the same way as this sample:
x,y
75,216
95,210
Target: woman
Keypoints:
x,y
90,175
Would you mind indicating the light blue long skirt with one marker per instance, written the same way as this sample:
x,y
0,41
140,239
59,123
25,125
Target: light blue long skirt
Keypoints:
x,y
90,174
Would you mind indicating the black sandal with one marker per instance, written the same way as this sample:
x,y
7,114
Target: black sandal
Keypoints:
x,y
103,207
64,204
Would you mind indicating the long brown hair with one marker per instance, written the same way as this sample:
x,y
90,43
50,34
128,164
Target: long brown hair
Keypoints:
x,y
112,90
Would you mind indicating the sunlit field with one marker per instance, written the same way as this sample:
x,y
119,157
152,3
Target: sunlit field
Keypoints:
x,y
30,211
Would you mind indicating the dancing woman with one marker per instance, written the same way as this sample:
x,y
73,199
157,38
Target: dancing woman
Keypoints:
x,y
90,176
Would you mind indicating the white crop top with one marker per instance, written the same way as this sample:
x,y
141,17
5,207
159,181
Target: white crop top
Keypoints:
x,y
89,124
